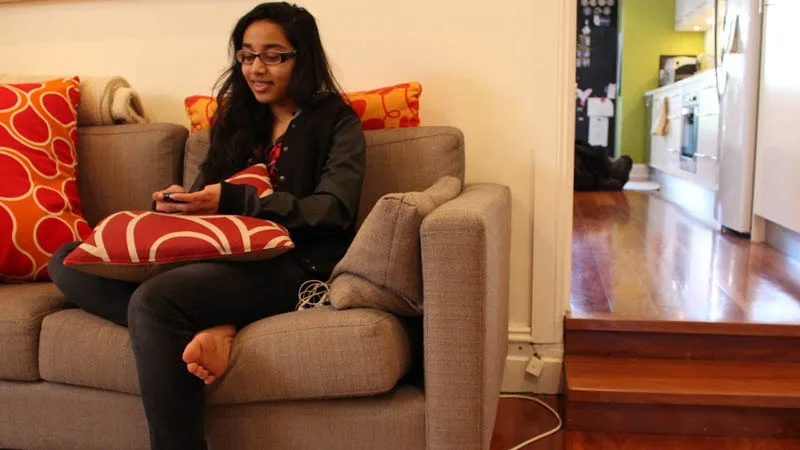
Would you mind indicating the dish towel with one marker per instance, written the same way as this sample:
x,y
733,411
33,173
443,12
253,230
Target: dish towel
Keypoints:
x,y
661,124
104,100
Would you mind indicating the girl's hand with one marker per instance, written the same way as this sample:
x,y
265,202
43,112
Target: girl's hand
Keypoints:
x,y
161,204
200,202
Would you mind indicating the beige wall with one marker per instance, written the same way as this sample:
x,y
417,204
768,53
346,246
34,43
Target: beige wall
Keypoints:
x,y
485,68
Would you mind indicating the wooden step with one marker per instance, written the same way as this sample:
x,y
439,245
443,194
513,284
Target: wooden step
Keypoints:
x,y
681,382
684,420
609,322
693,346
676,396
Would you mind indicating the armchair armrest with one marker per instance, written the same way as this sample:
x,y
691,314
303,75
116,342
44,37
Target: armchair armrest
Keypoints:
x,y
465,267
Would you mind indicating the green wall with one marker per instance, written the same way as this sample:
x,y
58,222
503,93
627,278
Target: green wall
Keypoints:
x,y
647,28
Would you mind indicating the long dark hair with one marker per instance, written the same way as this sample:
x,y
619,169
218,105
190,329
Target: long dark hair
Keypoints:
x,y
241,123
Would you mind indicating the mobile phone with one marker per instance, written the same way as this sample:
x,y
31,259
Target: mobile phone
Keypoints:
x,y
168,198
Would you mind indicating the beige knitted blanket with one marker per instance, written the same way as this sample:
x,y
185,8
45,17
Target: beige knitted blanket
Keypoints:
x,y
103,100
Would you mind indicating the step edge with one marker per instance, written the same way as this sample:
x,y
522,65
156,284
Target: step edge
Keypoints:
x,y
636,325
773,401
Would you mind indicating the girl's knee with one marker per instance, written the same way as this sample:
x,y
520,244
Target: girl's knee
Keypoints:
x,y
153,302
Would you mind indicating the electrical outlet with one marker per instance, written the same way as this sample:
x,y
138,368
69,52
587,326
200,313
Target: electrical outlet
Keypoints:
x,y
535,366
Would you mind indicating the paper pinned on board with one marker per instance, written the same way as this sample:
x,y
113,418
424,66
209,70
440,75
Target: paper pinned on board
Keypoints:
x,y
600,107
583,95
598,131
611,91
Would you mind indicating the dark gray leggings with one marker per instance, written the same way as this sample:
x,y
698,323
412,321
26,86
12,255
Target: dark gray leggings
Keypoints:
x,y
165,312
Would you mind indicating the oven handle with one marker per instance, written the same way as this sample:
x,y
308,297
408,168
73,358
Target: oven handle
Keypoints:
x,y
705,156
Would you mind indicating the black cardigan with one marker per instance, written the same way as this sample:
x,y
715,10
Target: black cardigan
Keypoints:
x,y
317,185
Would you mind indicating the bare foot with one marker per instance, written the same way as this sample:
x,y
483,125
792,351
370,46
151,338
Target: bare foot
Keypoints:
x,y
207,355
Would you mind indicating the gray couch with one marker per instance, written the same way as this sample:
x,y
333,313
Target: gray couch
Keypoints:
x,y
317,379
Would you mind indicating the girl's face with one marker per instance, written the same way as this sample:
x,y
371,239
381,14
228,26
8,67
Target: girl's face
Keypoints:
x,y
269,82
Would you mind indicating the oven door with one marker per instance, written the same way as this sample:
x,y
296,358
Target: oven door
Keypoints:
x,y
690,122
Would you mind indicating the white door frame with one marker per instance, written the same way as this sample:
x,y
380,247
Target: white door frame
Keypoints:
x,y
551,227
551,219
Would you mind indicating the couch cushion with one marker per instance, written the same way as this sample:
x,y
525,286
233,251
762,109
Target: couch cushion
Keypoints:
x,y
122,165
22,307
409,160
398,160
382,268
85,350
317,353
194,155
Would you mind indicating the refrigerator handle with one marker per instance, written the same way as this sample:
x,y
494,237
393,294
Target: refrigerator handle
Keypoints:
x,y
761,6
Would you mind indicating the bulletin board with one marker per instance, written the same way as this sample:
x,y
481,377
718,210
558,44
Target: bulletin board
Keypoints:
x,y
596,56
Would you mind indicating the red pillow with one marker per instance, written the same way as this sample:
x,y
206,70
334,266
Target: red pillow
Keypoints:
x,y
136,245
39,204
256,176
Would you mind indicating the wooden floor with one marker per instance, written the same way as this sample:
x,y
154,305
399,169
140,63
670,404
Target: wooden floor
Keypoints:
x,y
519,420
683,335
637,256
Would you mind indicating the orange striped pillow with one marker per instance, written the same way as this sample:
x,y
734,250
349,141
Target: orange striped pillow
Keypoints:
x,y
388,107
39,204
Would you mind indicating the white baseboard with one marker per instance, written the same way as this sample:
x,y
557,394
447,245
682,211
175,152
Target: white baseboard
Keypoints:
x,y
517,380
640,172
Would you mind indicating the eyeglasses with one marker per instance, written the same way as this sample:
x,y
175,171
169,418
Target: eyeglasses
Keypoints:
x,y
268,57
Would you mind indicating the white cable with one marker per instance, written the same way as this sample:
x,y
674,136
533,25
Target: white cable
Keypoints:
x,y
311,294
543,435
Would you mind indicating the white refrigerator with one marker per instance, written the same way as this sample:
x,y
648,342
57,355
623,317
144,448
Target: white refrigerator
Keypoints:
x,y
777,182
739,62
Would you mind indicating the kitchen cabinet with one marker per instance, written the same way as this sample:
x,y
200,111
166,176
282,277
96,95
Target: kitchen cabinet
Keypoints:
x,y
665,151
692,15
777,167
658,144
675,130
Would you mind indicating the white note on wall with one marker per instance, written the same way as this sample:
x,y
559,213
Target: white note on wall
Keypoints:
x,y
600,107
598,131
611,91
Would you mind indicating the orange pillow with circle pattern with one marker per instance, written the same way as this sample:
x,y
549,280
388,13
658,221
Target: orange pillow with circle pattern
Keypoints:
x,y
136,245
389,107
39,204
200,109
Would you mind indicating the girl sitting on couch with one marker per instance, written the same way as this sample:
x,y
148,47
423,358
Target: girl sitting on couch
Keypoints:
x,y
279,105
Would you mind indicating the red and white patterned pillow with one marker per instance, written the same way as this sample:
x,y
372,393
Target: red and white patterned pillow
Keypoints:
x,y
39,204
256,176
136,245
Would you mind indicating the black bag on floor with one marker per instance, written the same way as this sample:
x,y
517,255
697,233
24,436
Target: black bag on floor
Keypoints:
x,y
594,171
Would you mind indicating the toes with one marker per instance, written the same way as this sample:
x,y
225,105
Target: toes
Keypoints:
x,y
209,379
199,371
193,351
